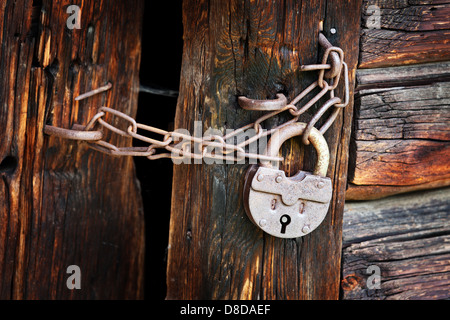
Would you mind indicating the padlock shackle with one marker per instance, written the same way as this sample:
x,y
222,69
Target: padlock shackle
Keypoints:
x,y
296,129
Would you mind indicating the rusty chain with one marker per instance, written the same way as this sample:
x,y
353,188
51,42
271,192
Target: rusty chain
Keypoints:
x,y
217,146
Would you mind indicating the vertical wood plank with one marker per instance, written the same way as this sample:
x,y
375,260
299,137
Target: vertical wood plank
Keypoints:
x,y
253,48
62,203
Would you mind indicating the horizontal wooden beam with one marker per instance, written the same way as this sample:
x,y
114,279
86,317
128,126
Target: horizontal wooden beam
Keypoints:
x,y
401,76
401,134
408,32
404,240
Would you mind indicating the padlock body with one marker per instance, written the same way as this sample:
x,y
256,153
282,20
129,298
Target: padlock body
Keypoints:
x,y
287,207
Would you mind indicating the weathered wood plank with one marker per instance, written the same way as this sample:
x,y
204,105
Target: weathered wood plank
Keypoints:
x,y
400,76
255,49
61,203
409,33
407,237
408,15
371,192
403,132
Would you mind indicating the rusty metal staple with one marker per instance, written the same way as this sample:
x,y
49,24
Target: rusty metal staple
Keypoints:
x,y
93,134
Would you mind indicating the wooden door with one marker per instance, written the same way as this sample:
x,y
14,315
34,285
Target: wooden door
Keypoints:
x,y
63,204
255,49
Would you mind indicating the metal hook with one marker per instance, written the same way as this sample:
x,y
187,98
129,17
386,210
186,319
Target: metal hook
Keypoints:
x,y
263,105
334,56
73,134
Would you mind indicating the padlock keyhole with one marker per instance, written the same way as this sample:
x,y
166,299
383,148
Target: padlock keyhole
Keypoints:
x,y
284,220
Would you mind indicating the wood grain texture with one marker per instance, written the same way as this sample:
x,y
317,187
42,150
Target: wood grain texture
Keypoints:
x,y
253,48
62,203
403,132
401,76
407,238
411,32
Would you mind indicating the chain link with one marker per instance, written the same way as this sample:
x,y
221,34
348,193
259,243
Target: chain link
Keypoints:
x,y
216,146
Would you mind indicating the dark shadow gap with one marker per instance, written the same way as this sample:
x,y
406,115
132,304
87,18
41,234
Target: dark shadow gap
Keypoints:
x,y
162,45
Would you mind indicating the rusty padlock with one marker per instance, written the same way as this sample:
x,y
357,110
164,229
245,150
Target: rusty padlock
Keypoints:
x,y
288,207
